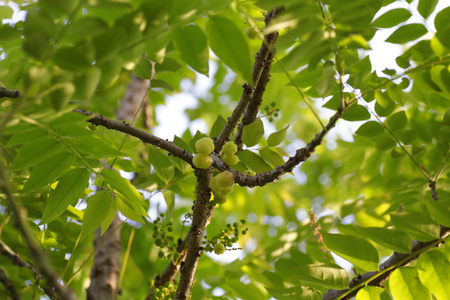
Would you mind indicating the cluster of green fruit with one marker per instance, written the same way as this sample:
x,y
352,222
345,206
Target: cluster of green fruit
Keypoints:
x,y
162,233
225,238
222,185
165,292
204,147
272,111
229,156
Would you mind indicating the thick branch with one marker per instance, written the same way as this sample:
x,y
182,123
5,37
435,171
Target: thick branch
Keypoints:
x,y
168,275
7,93
201,215
386,268
260,74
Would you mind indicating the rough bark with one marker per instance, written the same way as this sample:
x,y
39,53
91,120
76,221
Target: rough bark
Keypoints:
x,y
106,268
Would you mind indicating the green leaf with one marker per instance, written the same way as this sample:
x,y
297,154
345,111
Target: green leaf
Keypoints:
x,y
418,224
217,127
128,209
87,27
277,137
426,7
48,171
443,27
109,43
439,211
295,293
434,273
356,113
389,238
157,83
271,156
244,291
230,45
6,12
98,209
253,161
129,195
169,197
370,129
329,276
391,18
69,189
404,284
253,133
369,293
397,121
143,68
35,152
407,33
192,45
354,249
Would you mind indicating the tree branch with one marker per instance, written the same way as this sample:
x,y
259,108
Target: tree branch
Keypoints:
x,y
378,277
260,75
201,215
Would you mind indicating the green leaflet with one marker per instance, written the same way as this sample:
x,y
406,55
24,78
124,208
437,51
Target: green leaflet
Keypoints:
x,y
69,189
48,171
407,33
418,224
35,152
277,137
434,273
100,206
129,199
192,45
405,284
230,45
353,248
253,133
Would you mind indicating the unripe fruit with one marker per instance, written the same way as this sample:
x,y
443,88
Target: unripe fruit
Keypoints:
x,y
204,145
229,148
251,33
225,179
220,198
202,161
214,185
230,159
219,248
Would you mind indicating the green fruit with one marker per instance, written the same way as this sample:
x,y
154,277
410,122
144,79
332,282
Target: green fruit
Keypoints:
x,y
230,159
220,198
93,127
214,185
219,248
229,148
204,145
251,33
225,179
202,161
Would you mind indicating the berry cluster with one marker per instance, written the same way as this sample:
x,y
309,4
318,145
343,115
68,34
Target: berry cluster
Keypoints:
x,y
222,184
271,111
162,233
167,291
229,150
204,147
225,238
